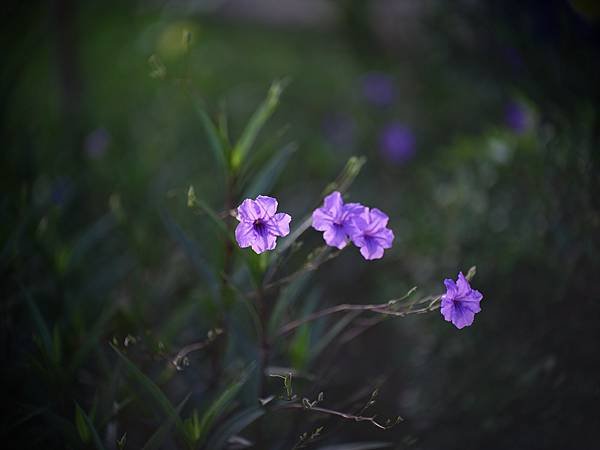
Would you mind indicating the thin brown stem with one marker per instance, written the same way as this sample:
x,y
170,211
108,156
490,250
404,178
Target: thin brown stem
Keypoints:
x,y
380,308
356,418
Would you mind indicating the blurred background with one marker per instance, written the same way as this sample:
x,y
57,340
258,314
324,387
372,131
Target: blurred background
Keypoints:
x,y
481,128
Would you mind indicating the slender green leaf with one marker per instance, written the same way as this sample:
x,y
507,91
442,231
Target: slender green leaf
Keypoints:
x,y
159,436
358,446
220,404
324,341
40,324
214,140
91,339
81,425
256,122
86,241
192,250
300,347
90,428
162,402
233,426
267,177
287,298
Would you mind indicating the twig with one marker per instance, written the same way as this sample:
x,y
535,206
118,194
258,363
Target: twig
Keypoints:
x,y
356,418
182,354
380,308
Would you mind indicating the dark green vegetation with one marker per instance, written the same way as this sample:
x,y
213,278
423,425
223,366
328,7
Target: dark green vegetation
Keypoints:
x,y
107,273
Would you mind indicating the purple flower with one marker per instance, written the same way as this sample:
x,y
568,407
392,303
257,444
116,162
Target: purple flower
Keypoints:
x,y
260,224
96,143
460,303
378,89
335,219
369,232
397,143
340,130
518,117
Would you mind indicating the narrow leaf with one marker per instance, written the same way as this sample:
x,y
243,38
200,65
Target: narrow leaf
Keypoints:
x,y
220,404
91,428
215,143
256,122
162,402
233,426
267,177
358,446
193,252
40,324
157,439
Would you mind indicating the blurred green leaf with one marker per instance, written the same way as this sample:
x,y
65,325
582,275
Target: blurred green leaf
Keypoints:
x,y
288,296
56,345
91,339
324,341
40,324
233,426
256,122
93,235
157,439
215,142
162,402
358,446
300,347
81,425
222,402
192,250
264,181
82,419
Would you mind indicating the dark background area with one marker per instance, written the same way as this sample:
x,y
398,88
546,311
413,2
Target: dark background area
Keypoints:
x,y
481,128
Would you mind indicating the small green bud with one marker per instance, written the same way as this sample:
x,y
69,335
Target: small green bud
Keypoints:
x,y
191,197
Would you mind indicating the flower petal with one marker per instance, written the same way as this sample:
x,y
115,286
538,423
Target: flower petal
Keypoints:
x,y
463,285
248,210
264,242
334,204
267,204
377,219
244,234
335,236
462,317
385,237
321,219
280,224
451,289
371,249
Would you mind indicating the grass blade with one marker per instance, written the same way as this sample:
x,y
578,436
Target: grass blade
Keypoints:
x,y
157,439
256,122
220,404
40,324
267,177
81,419
162,402
192,250
358,446
233,426
214,140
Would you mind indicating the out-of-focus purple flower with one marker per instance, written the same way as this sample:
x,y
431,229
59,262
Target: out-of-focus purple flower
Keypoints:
x,y
334,218
460,303
61,190
369,232
518,117
260,224
378,89
397,143
96,143
513,58
340,130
